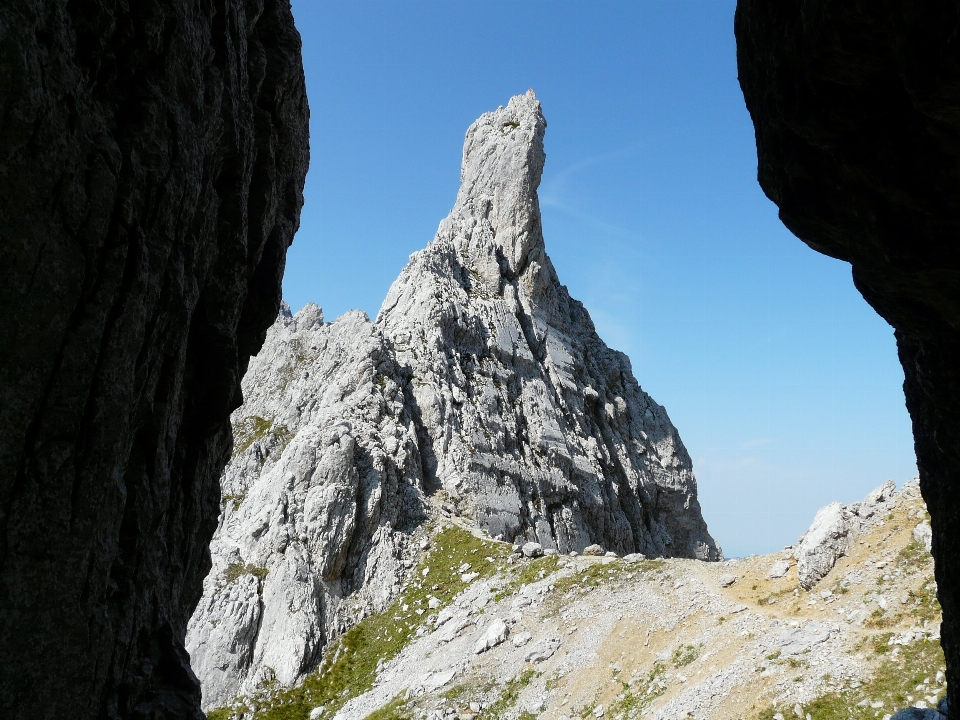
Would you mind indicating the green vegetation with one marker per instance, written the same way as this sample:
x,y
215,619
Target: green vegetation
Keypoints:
x,y
237,569
685,654
893,685
349,665
598,574
253,428
912,555
923,603
248,431
640,695
529,572
236,499
880,643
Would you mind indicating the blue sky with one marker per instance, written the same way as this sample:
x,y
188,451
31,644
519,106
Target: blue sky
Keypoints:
x,y
783,383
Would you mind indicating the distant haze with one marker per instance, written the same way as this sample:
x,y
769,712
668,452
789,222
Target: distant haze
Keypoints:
x,y
783,383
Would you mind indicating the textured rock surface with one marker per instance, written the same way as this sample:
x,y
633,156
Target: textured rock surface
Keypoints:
x,y
821,545
482,388
325,468
534,426
857,115
152,158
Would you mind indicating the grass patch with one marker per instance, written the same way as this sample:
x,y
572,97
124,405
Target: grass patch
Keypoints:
x,y
685,654
530,571
598,574
235,570
237,499
892,686
349,665
640,695
250,429
924,605
913,554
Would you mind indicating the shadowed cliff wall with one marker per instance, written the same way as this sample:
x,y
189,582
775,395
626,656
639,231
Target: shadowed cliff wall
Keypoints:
x,y
152,158
856,105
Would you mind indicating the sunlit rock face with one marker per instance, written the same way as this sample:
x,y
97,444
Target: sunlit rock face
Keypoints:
x,y
482,386
856,107
152,158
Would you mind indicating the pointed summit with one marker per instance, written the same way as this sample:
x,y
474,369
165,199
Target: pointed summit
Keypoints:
x,y
527,418
502,164
482,385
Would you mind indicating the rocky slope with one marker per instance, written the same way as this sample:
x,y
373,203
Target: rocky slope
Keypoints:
x,y
483,632
482,390
857,120
152,158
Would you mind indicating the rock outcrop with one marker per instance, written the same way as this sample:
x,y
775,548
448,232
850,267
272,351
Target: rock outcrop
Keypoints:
x,y
857,119
832,532
534,426
319,501
152,158
482,390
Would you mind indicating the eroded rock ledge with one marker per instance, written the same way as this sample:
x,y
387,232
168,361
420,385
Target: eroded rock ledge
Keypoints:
x,y
152,159
856,107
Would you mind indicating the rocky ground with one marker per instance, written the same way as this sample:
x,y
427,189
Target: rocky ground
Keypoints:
x,y
484,631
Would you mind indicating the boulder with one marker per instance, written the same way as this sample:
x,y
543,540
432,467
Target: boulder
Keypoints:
x,y
818,549
778,570
543,650
494,635
532,550
521,639
594,550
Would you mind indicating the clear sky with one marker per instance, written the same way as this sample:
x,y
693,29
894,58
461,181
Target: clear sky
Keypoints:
x,y
783,382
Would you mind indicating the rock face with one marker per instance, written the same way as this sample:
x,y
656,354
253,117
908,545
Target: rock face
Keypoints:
x,y
857,118
534,426
325,469
482,387
151,168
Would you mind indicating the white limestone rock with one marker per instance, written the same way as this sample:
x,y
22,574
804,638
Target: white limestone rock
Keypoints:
x,y
835,527
495,634
923,533
825,541
481,377
778,570
323,486
537,428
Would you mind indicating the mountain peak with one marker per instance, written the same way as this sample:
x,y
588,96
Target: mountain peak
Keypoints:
x,y
502,164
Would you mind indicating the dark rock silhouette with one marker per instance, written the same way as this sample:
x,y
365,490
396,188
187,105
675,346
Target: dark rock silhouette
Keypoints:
x,y
856,106
152,158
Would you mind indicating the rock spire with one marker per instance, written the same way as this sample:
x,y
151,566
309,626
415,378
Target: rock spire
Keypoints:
x,y
482,386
